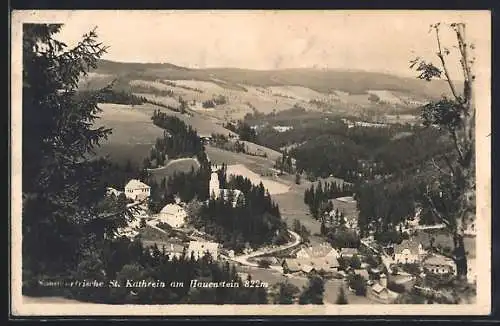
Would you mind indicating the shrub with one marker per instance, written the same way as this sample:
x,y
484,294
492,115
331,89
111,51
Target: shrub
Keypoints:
x,y
264,263
398,288
358,284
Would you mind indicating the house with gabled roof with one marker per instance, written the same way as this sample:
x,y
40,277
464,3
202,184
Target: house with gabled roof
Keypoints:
x,y
200,248
439,265
137,190
322,250
173,214
307,265
408,252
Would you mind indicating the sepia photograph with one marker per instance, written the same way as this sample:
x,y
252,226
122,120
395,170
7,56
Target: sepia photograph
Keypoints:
x,y
230,162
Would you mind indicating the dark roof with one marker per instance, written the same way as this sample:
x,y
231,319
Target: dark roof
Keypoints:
x,y
407,244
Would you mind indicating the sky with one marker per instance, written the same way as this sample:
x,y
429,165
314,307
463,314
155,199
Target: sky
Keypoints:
x,y
380,41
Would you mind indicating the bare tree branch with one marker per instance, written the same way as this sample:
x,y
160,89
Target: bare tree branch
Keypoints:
x,y
453,133
438,168
443,64
435,211
450,166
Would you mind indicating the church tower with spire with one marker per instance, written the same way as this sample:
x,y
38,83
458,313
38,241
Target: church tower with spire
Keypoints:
x,y
214,184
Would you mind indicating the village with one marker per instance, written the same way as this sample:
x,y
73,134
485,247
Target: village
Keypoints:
x,y
381,274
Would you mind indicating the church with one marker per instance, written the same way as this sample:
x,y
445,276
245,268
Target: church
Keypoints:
x,y
234,195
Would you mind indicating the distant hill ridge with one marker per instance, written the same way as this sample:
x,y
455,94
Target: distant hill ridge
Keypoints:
x,y
321,80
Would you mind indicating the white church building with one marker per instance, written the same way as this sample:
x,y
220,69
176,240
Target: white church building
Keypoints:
x,y
215,189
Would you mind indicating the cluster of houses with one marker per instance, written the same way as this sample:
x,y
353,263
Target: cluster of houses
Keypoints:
x,y
325,259
411,252
173,214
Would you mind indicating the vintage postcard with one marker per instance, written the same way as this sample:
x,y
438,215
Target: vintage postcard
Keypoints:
x,y
231,162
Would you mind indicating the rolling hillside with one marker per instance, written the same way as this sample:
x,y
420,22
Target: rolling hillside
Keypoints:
x,y
323,81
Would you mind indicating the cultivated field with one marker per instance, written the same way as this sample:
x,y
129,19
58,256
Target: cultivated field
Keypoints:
x,y
133,133
296,92
272,186
386,96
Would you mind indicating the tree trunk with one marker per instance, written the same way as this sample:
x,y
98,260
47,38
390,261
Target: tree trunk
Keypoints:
x,y
460,256
466,149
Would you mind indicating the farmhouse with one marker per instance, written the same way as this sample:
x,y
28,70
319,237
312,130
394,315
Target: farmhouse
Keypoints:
x,y
322,250
200,248
438,264
174,215
380,293
137,190
308,265
408,252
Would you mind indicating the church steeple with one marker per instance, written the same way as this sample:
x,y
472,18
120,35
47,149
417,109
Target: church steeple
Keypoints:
x,y
214,184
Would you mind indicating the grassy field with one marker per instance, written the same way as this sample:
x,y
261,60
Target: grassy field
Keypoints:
x,y
292,207
133,133
348,208
175,166
257,164
274,187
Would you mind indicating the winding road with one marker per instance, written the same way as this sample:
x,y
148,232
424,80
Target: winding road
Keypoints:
x,y
243,259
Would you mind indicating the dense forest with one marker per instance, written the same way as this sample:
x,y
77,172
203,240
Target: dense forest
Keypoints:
x,y
179,140
318,198
217,100
244,130
285,163
188,186
390,166
110,95
254,222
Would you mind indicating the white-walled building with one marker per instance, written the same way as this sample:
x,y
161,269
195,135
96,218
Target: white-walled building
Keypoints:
x,y
322,250
173,214
408,252
199,248
439,265
214,188
137,190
